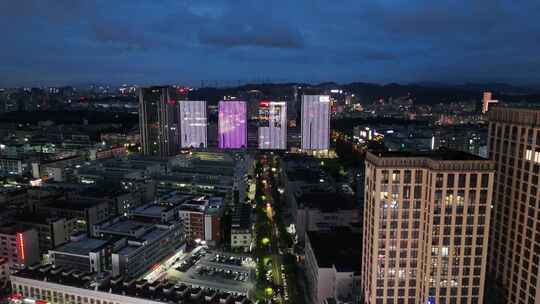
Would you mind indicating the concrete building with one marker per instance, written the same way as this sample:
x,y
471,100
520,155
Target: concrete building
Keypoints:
x,y
332,263
41,284
13,166
319,210
144,243
272,123
208,174
85,214
315,122
4,274
157,121
193,124
201,217
514,145
426,225
241,228
52,231
19,245
83,254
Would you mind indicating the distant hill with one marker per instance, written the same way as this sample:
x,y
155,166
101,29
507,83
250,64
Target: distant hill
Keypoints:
x,y
422,93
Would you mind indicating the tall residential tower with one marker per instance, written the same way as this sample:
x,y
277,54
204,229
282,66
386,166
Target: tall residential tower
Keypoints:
x,y
426,224
514,259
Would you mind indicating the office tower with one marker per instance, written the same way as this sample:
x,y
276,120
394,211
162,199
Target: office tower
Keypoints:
x,y
426,224
272,122
232,127
486,100
514,145
157,121
192,119
315,122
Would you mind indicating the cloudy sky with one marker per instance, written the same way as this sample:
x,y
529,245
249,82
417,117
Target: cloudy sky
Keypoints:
x,y
56,42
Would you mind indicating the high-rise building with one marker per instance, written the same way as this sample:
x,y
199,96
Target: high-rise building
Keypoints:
x,y
315,122
157,121
426,225
232,124
486,100
514,145
193,124
272,122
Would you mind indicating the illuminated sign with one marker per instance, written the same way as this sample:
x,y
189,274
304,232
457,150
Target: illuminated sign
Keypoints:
x,y
20,245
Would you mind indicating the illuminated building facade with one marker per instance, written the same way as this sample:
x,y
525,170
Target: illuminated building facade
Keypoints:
x,y
232,125
315,122
157,121
426,226
192,117
272,120
514,145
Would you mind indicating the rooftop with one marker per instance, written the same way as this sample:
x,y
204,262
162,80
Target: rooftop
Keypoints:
x,y
166,292
71,205
82,247
36,218
125,226
327,201
12,228
443,154
341,248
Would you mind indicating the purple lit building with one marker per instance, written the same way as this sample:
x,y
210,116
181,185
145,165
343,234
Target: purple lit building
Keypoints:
x,y
232,127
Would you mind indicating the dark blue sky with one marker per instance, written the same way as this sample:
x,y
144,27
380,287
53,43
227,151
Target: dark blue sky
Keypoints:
x,y
69,41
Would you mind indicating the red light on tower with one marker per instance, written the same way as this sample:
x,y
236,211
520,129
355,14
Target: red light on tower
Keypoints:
x,y
264,104
20,245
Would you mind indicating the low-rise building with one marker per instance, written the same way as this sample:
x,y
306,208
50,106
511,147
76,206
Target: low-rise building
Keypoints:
x,y
12,166
85,214
202,217
241,228
333,265
52,231
145,243
324,211
83,254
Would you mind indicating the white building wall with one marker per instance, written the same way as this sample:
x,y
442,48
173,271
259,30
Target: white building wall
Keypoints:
x,y
193,123
275,134
315,122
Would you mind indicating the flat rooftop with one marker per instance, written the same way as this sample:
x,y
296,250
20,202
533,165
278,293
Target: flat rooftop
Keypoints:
x,y
443,154
82,247
327,201
341,248
71,205
124,226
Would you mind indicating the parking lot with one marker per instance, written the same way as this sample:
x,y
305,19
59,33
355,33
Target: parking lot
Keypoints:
x,y
217,270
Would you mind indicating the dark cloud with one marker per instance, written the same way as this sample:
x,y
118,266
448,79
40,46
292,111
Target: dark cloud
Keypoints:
x,y
247,35
63,41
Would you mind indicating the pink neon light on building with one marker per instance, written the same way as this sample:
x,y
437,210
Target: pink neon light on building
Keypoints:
x,y
232,126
